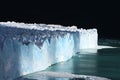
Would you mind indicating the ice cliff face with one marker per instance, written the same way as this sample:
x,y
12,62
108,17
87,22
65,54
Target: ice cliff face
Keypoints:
x,y
27,48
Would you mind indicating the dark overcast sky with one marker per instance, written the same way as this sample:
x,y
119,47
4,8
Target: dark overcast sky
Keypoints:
x,y
105,16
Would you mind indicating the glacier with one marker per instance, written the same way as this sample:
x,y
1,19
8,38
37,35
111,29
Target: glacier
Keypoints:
x,y
28,48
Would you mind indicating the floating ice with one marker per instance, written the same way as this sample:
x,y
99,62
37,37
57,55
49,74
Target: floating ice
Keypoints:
x,y
59,76
27,48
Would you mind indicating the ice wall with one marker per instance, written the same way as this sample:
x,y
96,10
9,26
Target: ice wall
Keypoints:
x,y
85,39
27,48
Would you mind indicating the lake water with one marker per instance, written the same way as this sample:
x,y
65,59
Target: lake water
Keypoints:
x,y
96,62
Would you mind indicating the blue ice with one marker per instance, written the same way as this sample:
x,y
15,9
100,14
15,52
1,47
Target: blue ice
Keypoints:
x,y
24,50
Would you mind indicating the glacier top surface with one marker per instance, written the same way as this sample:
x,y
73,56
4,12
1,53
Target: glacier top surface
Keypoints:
x,y
51,27
38,26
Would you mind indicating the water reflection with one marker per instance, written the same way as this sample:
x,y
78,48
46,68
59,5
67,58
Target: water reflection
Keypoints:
x,y
85,63
88,51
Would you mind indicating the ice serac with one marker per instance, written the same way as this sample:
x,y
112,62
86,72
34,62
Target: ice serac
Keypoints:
x,y
27,48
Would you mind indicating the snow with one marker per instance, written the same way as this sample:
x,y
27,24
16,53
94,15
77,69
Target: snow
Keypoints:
x,y
27,48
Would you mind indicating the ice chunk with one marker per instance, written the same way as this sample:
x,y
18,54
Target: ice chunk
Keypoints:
x,y
27,48
59,76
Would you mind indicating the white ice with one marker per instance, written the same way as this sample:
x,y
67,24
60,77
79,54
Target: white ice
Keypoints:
x,y
27,48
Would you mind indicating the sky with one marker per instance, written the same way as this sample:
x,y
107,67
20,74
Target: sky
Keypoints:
x,y
105,16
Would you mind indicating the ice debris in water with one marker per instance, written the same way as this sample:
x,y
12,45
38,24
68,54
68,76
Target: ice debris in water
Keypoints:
x,y
45,75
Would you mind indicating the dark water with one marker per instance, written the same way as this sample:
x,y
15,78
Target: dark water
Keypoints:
x,y
103,62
